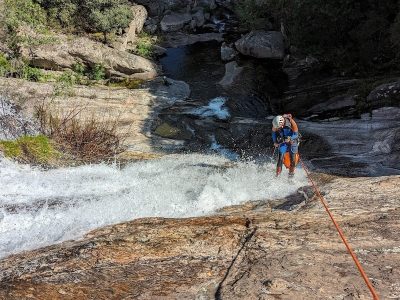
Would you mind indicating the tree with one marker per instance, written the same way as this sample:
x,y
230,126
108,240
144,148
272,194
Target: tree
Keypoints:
x,y
106,15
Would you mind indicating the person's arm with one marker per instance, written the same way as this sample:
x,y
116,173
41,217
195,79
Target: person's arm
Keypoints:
x,y
295,129
274,135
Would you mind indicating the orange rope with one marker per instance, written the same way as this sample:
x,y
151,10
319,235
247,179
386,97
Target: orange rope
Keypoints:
x,y
325,204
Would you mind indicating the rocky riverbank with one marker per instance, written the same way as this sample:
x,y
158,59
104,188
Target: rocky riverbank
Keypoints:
x,y
284,249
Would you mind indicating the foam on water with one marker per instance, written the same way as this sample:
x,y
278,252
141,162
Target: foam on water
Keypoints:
x,y
39,208
215,108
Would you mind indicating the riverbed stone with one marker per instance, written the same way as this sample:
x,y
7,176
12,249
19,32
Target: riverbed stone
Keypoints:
x,y
175,21
232,71
227,52
385,94
262,44
198,17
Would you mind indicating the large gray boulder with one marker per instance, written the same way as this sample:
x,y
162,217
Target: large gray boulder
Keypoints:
x,y
262,44
175,21
66,53
136,26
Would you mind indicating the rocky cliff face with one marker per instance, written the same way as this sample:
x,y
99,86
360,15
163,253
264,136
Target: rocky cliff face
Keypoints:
x,y
280,249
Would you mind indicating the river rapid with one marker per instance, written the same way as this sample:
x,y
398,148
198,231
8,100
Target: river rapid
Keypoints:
x,y
39,208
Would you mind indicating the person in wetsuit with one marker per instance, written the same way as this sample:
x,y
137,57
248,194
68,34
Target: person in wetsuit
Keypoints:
x,y
285,135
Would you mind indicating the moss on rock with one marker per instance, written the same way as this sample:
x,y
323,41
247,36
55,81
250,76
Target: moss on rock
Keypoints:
x,y
167,131
32,149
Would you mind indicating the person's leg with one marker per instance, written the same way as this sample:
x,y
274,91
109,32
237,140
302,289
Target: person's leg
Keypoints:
x,y
282,150
293,151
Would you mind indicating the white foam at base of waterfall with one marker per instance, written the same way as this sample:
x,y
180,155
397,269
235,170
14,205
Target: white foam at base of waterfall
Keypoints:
x,y
39,208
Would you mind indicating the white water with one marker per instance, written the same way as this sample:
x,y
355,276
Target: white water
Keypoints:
x,y
39,208
215,108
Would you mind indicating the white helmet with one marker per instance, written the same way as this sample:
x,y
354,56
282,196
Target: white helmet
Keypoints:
x,y
278,122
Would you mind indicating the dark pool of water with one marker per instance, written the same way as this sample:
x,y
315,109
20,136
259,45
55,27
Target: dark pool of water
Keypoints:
x,y
199,65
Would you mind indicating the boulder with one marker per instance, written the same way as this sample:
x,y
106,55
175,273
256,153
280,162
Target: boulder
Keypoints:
x,y
227,53
159,51
66,53
159,7
136,26
199,18
175,21
232,71
262,44
13,123
335,104
151,26
385,94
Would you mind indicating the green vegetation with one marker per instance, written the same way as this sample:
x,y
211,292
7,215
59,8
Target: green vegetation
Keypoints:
x,y
31,74
33,149
64,84
19,69
23,12
252,14
97,72
5,65
144,45
105,16
352,35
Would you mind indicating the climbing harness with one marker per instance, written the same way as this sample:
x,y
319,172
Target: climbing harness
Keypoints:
x,y
342,236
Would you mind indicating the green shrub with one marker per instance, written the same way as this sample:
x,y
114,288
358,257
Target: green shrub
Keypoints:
x,y
5,66
20,12
64,12
106,16
252,13
31,73
145,45
79,68
97,72
64,84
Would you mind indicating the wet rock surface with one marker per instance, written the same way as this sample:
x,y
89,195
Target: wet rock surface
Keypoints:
x,y
257,250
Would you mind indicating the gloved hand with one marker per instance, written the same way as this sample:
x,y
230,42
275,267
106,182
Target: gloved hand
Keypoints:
x,y
276,145
287,139
289,116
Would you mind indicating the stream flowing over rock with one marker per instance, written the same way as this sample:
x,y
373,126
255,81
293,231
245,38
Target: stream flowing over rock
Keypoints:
x,y
286,248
